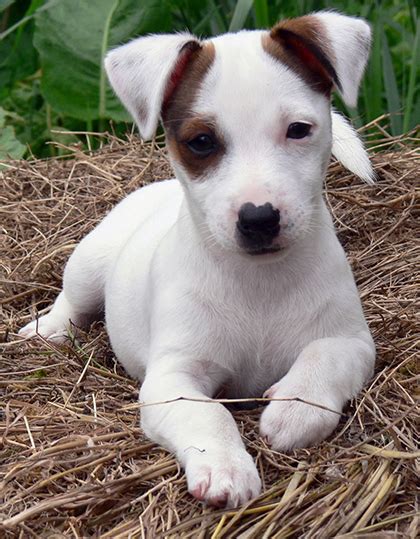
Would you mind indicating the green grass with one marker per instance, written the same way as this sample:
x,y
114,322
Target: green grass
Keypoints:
x,y
47,85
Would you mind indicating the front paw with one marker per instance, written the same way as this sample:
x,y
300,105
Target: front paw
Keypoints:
x,y
220,477
48,326
287,425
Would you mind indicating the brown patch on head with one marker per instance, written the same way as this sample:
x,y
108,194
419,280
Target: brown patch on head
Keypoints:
x,y
302,45
186,55
181,123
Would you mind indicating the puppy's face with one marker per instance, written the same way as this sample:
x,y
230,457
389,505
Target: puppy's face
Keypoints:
x,y
248,120
250,139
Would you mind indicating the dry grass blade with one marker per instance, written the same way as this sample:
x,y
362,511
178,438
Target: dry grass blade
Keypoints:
x,y
74,462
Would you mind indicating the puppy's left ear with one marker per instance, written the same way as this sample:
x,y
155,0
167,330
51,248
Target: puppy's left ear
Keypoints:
x,y
348,149
332,48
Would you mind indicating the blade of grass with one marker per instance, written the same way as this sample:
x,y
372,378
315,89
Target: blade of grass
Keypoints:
x,y
200,26
261,14
306,6
4,4
372,85
242,9
412,81
218,24
365,10
391,89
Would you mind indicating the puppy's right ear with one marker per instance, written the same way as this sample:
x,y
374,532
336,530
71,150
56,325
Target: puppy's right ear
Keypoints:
x,y
145,72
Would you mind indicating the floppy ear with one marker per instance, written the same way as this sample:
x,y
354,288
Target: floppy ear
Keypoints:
x,y
331,49
349,150
146,71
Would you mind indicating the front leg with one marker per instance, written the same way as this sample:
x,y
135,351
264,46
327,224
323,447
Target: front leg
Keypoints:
x,y
203,436
328,372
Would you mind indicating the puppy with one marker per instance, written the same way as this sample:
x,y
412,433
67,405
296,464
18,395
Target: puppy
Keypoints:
x,y
231,275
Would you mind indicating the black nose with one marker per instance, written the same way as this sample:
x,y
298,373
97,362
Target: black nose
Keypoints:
x,y
259,224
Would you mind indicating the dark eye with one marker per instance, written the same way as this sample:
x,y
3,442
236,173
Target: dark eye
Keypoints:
x,y
298,130
202,145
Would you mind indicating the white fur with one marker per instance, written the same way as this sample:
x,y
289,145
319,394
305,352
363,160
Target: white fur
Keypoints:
x,y
187,310
350,41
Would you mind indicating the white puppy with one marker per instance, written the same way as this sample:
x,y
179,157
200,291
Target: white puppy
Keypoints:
x,y
231,276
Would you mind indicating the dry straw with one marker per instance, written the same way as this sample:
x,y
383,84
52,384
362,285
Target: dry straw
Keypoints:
x,y
74,462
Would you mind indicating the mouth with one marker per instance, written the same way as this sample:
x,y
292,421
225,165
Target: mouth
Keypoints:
x,y
263,251
257,245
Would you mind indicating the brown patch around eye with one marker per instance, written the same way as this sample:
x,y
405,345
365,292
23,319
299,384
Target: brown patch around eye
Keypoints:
x,y
189,129
180,121
302,45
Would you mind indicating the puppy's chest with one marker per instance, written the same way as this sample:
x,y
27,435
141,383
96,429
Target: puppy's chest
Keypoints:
x,y
255,326
256,342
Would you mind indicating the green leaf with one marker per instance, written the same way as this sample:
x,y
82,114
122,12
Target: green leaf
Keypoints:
x,y
35,6
8,114
72,38
10,147
242,9
19,59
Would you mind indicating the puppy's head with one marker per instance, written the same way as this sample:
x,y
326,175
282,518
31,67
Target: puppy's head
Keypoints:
x,y
247,119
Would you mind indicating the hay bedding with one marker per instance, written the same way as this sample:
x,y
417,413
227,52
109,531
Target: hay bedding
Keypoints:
x,y
74,462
